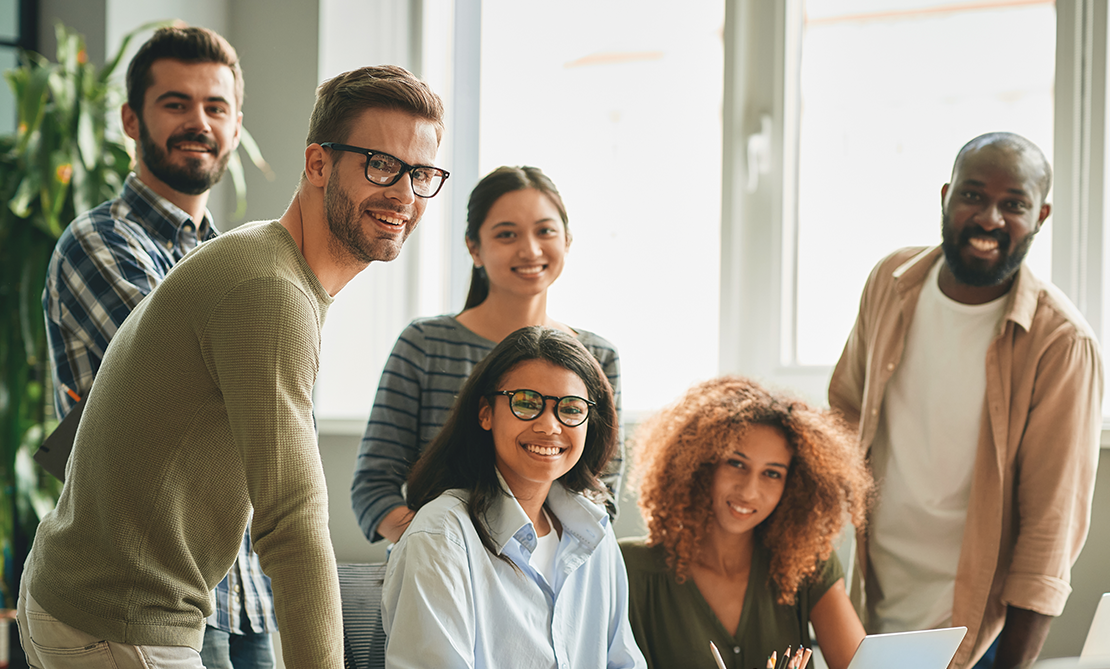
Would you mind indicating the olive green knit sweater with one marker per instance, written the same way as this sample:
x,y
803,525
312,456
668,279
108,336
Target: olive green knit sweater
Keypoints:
x,y
201,410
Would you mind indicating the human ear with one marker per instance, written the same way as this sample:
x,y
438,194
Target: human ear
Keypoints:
x,y
473,248
485,414
130,121
316,165
1046,209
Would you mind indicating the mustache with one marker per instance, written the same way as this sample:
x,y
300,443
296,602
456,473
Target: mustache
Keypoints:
x,y
193,137
975,231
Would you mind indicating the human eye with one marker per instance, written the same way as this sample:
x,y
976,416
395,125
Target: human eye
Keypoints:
x,y
572,407
735,464
505,234
1017,205
383,163
970,196
773,474
217,111
423,176
548,231
527,401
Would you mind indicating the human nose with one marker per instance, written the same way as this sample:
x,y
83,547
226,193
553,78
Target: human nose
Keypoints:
x,y
547,422
401,190
990,217
197,121
529,247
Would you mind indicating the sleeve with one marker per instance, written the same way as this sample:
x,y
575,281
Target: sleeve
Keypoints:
x,y
826,576
391,444
95,279
262,346
613,476
428,604
623,651
849,377
1056,468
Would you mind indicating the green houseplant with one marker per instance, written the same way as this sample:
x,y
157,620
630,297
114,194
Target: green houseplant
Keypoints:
x,y
63,159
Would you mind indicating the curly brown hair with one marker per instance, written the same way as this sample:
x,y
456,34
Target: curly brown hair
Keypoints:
x,y
678,449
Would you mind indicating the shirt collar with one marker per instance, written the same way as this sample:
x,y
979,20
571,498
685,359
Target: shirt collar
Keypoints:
x,y
162,218
580,517
1021,301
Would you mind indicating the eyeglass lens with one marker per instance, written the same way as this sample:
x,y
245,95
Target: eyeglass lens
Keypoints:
x,y
384,170
528,405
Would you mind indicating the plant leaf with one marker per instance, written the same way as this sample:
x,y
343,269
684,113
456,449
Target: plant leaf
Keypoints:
x,y
246,140
86,140
235,166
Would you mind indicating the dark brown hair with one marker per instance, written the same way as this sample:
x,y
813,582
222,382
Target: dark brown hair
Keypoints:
x,y
189,44
462,455
678,449
340,99
492,186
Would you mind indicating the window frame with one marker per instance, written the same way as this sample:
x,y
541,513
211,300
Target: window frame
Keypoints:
x,y
758,243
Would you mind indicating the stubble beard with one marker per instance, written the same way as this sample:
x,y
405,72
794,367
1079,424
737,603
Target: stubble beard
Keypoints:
x,y
348,238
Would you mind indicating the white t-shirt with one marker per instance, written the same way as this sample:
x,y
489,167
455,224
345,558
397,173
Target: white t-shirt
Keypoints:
x,y
926,440
543,558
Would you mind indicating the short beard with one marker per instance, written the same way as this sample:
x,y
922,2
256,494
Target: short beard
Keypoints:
x,y
1007,266
191,179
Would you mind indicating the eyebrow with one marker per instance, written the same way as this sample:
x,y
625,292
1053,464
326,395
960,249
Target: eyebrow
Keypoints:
x,y
514,223
178,95
770,464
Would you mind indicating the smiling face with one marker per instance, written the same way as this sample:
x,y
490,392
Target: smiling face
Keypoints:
x,y
188,128
532,454
370,222
748,483
991,212
522,243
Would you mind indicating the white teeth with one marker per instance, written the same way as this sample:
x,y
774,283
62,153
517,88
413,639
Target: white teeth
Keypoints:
x,y
535,269
740,509
190,146
542,450
982,244
389,219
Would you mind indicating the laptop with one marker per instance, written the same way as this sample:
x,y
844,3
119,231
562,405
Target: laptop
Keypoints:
x,y
925,649
1098,637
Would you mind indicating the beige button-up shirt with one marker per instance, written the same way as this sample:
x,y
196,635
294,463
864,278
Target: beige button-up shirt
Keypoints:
x,y
1031,490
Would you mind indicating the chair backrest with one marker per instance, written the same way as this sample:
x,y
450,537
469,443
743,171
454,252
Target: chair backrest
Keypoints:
x,y
360,588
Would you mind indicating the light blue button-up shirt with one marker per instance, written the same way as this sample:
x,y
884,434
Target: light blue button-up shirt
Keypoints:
x,y
447,602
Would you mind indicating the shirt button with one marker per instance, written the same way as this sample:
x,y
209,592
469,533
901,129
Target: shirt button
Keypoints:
x,y
188,227
169,246
874,412
736,649
890,366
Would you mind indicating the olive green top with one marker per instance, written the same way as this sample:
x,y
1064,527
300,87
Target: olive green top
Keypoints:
x,y
673,624
202,410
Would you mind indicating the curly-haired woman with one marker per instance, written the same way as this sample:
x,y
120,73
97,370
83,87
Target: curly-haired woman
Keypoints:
x,y
744,492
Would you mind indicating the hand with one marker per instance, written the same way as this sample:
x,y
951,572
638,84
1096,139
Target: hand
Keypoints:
x,y
395,523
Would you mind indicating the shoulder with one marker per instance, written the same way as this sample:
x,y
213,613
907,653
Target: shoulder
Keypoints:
x,y
639,558
1056,313
899,261
101,226
599,346
444,520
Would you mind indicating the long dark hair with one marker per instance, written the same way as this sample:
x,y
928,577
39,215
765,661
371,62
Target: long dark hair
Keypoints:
x,y
492,186
462,454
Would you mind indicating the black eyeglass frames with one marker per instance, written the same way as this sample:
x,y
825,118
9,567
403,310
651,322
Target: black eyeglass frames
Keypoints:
x,y
571,410
383,169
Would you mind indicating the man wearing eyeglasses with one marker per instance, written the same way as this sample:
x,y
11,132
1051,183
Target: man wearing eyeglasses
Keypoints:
x,y
202,409
977,391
